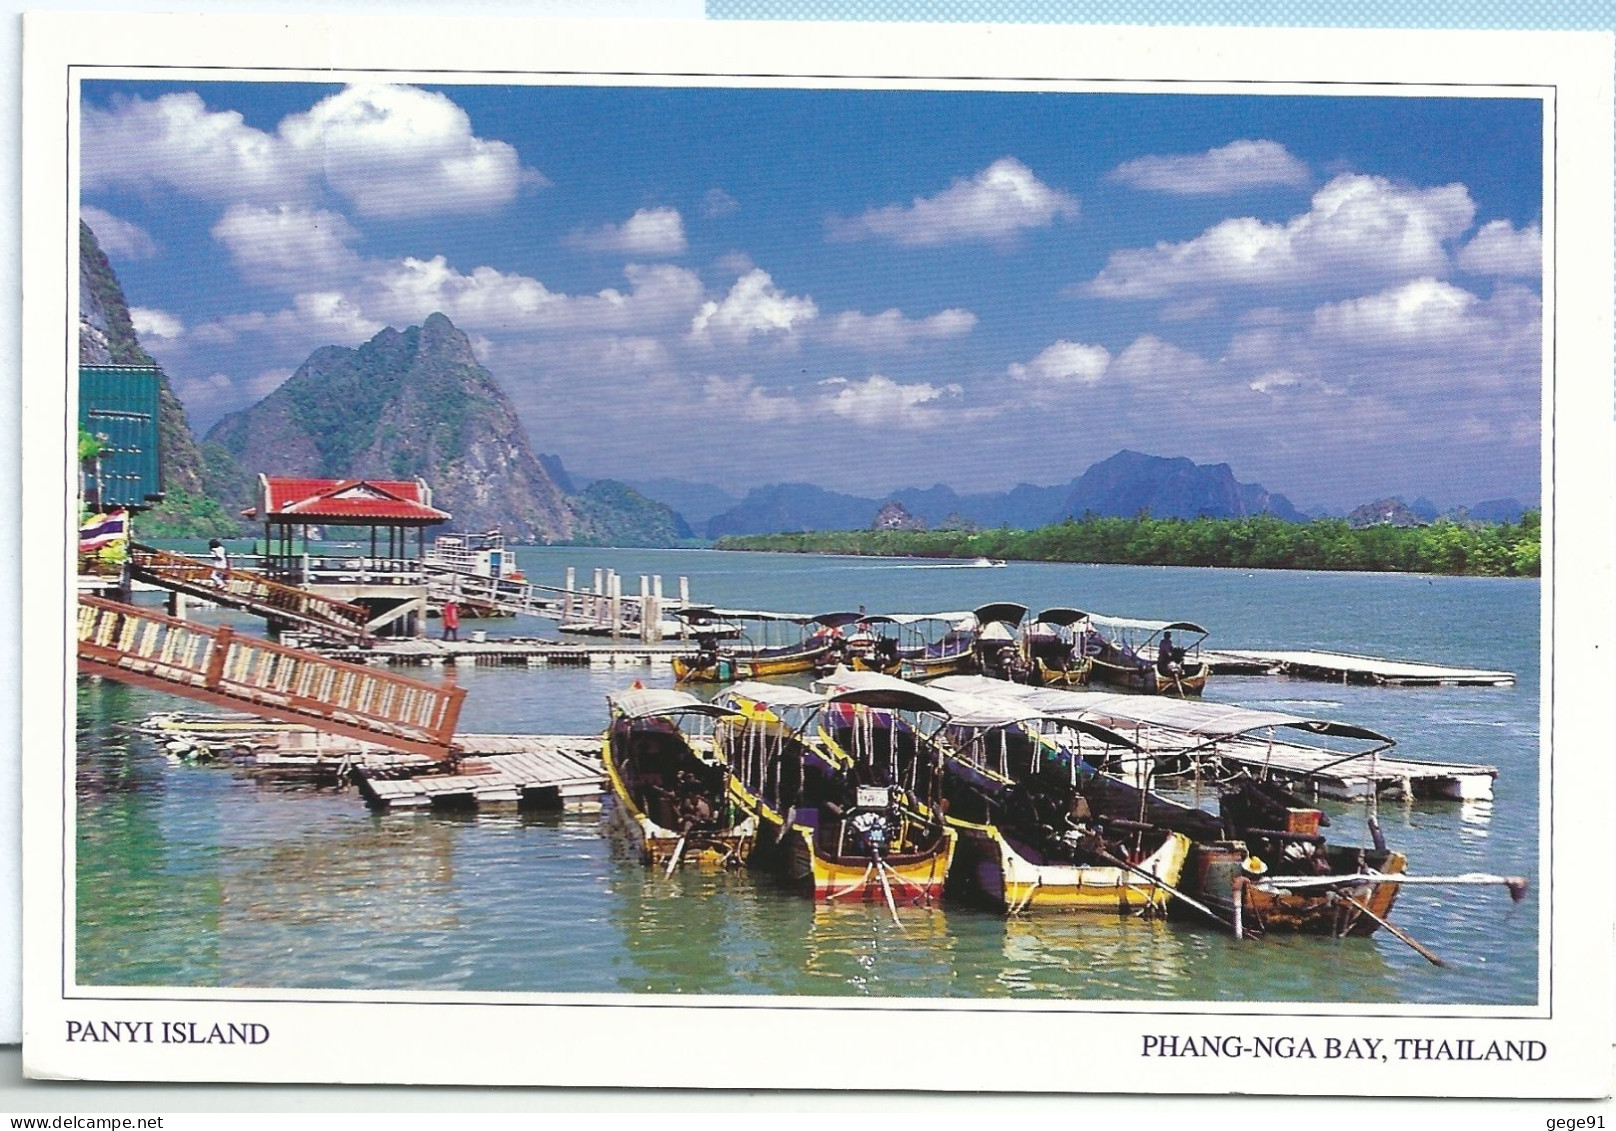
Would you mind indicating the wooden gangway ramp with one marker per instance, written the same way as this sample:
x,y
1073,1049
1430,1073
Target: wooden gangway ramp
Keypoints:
x,y
214,665
250,592
1344,667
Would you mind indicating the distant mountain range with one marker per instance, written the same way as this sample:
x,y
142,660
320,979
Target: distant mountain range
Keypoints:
x,y
1125,485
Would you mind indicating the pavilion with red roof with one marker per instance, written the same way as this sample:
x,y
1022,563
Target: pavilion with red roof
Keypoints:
x,y
291,507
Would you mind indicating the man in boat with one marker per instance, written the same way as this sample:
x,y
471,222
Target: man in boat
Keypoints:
x,y
1169,660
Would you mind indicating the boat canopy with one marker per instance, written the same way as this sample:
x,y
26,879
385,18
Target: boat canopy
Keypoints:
x,y
1150,626
661,702
1060,615
914,618
1007,611
835,620
1197,717
872,689
976,711
770,695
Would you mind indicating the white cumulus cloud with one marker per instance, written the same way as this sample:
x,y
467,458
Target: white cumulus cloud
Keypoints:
x,y
1424,310
287,245
996,204
393,151
649,232
881,401
1064,364
754,307
1358,227
491,300
1500,248
1236,167
149,323
890,330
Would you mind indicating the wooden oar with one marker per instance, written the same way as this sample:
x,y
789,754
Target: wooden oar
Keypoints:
x,y
678,851
1422,951
1169,888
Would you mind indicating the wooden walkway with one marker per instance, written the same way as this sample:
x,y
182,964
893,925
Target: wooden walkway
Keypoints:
x,y
512,653
1343,667
216,666
497,771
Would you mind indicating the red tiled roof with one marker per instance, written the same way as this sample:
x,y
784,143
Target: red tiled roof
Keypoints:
x,y
396,500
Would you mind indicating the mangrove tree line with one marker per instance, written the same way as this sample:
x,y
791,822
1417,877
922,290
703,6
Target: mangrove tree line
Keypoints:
x,y
1259,542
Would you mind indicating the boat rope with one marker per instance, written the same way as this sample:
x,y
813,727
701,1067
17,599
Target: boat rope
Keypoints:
x,y
857,885
1021,904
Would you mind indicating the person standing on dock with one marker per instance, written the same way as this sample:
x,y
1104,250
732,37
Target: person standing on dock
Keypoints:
x,y
451,620
220,561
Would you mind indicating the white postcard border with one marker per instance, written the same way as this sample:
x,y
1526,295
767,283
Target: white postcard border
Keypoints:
x,y
570,1039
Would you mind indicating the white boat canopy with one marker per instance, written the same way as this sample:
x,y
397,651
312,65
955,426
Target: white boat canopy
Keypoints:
x,y
646,703
770,695
1150,626
976,711
1198,717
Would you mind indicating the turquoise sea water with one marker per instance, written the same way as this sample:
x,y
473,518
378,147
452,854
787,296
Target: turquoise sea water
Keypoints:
x,y
199,876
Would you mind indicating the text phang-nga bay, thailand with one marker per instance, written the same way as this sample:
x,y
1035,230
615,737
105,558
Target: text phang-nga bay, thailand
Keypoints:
x,y
731,627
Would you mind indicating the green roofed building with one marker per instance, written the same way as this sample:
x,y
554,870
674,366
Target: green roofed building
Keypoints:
x,y
118,405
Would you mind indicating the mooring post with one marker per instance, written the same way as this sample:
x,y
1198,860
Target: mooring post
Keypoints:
x,y
566,605
645,609
655,615
596,606
684,603
616,609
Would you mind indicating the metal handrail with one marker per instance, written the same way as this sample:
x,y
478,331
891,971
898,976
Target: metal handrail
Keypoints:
x,y
217,665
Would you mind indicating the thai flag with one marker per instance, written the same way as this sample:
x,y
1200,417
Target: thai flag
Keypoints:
x,y
101,530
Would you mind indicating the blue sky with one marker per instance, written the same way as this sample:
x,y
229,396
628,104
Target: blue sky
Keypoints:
x,y
1338,296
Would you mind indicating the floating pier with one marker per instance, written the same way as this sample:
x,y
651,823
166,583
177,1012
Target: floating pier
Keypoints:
x,y
1344,667
1325,773
512,652
522,771
541,771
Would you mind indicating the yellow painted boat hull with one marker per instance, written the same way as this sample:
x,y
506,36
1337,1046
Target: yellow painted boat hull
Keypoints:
x,y
912,880
1076,676
1148,681
1011,883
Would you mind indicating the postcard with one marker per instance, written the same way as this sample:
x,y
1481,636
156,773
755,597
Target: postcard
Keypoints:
x,y
903,557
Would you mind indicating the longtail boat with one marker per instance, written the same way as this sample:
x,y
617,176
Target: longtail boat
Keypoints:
x,y
931,655
672,795
1051,649
1035,835
1141,655
820,640
845,793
